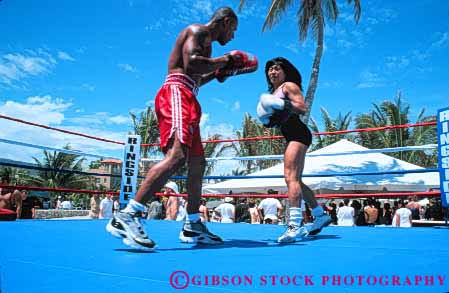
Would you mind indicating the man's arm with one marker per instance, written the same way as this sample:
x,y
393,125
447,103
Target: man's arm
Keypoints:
x,y
101,209
196,54
17,198
280,210
205,78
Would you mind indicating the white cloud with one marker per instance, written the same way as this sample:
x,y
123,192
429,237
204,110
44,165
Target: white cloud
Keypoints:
x,y
370,80
99,118
345,44
236,106
17,67
443,40
204,118
397,63
255,9
65,56
39,109
218,101
382,15
50,111
331,84
294,47
120,119
87,86
28,65
127,67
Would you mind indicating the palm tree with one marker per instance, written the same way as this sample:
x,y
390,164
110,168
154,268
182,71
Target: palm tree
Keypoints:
x,y
396,113
214,150
252,128
312,14
342,122
145,125
15,176
54,178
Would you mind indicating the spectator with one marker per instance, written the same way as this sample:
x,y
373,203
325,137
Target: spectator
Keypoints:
x,y
204,213
176,205
94,206
155,210
66,204
332,210
346,214
11,199
106,205
46,203
403,216
371,212
427,212
414,207
436,212
59,203
255,218
116,205
242,212
27,206
226,211
385,216
270,209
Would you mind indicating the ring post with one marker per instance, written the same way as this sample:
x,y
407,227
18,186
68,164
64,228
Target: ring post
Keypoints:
x,y
130,169
443,156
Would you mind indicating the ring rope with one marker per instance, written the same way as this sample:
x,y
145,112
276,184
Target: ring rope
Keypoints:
x,y
58,170
281,157
428,170
431,123
212,195
36,146
389,127
60,130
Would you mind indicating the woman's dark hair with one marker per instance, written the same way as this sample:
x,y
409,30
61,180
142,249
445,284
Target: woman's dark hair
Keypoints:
x,y
291,73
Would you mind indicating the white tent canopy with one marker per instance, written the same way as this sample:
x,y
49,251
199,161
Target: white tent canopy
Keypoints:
x,y
341,163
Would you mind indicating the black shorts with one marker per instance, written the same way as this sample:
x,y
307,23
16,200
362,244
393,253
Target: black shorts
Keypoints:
x,y
293,129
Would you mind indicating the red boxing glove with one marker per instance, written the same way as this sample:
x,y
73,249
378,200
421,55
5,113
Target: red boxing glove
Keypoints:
x,y
239,63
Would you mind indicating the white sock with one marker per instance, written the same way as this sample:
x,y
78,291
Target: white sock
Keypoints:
x,y
192,218
134,206
295,216
317,211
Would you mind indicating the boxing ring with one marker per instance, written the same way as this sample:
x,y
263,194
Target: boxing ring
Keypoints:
x,y
80,256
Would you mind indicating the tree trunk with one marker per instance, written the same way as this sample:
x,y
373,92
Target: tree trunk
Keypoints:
x,y
313,83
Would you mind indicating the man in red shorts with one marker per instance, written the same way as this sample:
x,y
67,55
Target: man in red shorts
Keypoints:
x,y
190,66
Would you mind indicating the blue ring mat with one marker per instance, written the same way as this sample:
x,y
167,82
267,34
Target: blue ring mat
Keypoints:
x,y
80,256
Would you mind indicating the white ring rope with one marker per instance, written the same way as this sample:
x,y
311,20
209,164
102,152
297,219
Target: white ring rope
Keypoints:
x,y
72,152
281,157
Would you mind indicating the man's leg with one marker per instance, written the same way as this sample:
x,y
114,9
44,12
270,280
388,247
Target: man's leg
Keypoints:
x,y
194,231
126,224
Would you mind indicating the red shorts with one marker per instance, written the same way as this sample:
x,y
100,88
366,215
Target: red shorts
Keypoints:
x,y
179,112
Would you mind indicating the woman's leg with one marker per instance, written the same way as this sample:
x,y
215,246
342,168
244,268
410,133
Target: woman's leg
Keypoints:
x,y
294,158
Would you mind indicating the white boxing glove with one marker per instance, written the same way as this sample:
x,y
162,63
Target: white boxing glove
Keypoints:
x,y
270,101
264,114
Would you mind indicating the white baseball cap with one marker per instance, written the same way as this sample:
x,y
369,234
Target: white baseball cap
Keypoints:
x,y
173,186
228,199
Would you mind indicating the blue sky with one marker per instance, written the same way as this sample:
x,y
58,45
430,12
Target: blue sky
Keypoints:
x,y
84,65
